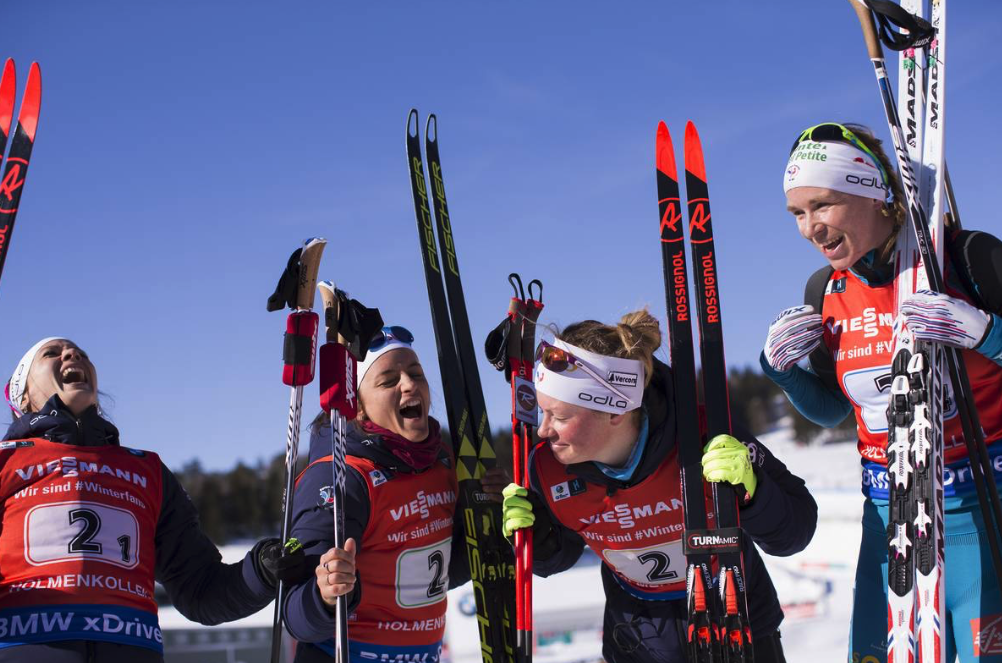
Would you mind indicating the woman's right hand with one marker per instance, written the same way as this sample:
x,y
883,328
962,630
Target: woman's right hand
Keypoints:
x,y
336,572
792,336
516,509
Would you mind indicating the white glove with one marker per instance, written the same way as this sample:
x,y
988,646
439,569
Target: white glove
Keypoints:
x,y
792,336
940,318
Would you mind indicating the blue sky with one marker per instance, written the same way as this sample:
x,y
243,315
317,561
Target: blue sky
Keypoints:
x,y
185,149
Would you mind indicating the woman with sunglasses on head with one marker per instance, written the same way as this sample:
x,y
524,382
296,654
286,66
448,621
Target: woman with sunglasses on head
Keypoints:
x,y
848,203
607,476
400,556
89,524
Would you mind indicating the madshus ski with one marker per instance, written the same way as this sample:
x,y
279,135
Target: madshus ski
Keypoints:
x,y
15,169
717,626
917,407
491,561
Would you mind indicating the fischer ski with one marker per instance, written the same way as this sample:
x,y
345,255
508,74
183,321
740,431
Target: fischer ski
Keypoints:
x,y
717,626
490,558
15,169
296,290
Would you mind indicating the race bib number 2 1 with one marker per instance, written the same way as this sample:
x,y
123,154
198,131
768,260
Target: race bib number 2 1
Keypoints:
x,y
67,531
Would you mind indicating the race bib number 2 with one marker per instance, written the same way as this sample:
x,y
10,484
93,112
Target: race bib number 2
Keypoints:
x,y
657,565
423,575
67,531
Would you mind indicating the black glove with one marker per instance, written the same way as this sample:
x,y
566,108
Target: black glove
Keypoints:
x,y
272,566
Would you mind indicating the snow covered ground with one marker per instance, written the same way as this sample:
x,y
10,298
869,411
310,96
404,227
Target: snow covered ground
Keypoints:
x,y
815,586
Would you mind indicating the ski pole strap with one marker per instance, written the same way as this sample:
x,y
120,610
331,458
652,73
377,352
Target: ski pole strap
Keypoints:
x,y
337,380
300,347
892,20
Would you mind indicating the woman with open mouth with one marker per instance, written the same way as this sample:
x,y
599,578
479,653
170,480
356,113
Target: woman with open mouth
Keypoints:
x,y
89,524
607,475
848,203
400,557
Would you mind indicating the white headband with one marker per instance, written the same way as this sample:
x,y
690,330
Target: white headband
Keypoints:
x,y
577,387
19,379
837,166
391,343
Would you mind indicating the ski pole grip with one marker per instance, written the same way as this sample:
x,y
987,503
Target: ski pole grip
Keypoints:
x,y
337,380
873,46
300,348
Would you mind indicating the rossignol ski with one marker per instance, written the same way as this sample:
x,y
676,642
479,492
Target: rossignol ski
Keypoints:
x,y
295,290
490,558
717,626
511,349
15,168
919,398
349,329
703,622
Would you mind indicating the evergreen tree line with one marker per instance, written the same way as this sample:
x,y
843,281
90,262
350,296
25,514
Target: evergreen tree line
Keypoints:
x,y
246,502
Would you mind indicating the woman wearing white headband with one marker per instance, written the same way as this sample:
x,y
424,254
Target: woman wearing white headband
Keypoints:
x,y
848,203
89,524
400,556
607,476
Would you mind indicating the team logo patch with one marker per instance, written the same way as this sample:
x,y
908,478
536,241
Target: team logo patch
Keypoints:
x,y
377,477
987,633
625,379
837,286
562,491
326,496
16,444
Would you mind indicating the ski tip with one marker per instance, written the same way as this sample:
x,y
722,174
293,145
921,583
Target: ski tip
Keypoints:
x,y
665,153
431,129
32,101
693,152
8,90
412,123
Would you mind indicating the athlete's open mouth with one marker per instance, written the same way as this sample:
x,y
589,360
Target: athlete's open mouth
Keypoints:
x,y
831,246
411,409
74,375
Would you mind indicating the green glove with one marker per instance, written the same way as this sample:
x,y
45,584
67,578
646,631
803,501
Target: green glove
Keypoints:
x,y
516,509
725,458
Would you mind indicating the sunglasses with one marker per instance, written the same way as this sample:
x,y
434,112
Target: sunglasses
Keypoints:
x,y
835,132
559,360
387,334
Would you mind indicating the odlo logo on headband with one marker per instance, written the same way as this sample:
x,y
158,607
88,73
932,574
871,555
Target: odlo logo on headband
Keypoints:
x,y
866,181
610,400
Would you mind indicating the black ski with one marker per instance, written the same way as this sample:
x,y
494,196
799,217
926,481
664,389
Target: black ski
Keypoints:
x,y
702,636
734,628
490,557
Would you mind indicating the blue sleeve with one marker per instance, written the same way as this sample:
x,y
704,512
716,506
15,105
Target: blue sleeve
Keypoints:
x,y
189,566
555,548
991,344
306,615
783,515
809,395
